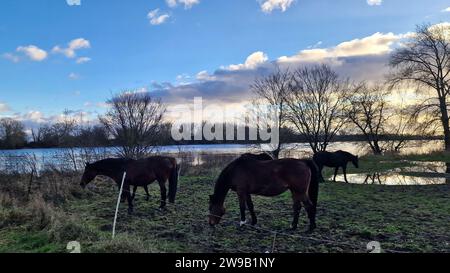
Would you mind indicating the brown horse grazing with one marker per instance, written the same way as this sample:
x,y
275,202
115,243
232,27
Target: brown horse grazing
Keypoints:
x,y
247,175
140,173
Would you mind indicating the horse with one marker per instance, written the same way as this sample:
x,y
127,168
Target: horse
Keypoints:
x,y
140,172
337,160
247,175
261,156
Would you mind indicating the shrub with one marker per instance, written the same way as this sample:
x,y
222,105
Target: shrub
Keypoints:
x,y
69,228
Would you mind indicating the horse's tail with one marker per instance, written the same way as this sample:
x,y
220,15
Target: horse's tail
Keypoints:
x,y
173,182
314,184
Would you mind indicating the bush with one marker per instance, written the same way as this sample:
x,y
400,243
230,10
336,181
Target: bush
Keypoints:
x,y
41,213
13,217
68,228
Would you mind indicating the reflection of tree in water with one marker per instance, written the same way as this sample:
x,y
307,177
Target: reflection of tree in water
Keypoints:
x,y
373,178
380,178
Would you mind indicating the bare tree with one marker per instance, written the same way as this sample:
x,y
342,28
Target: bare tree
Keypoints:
x,y
383,125
134,121
270,94
316,103
12,133
367,112
424,61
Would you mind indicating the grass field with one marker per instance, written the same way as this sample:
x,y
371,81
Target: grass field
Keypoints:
x,y
401,218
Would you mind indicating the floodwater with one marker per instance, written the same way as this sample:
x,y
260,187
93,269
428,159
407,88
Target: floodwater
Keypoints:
x,y
420,173
359,148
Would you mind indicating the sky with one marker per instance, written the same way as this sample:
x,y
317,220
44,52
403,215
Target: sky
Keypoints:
x,y
58,55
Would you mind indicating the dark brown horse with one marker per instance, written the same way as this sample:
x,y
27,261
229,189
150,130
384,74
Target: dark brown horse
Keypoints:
x,y
140,173
338,159
247,175
262,156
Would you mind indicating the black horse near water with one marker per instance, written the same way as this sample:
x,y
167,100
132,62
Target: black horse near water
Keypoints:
x,y
337,160
140,173
259,175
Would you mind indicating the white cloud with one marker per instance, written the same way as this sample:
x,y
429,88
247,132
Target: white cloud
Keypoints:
x,y
251,62
269,5
73,2
74,76
33,52
35,116
72,47
204,76
446,10
83,60
187,3
156,18
359,59
13,58
184,79
374,2
376,44
4,107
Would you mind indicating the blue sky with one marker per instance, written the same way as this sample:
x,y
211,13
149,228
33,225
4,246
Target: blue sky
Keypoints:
x,y
56,56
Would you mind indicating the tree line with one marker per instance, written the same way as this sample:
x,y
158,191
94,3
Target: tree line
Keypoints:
x,y
311,104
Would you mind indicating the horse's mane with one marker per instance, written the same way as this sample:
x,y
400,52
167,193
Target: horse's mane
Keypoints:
x,y
110,163
262,156
346,153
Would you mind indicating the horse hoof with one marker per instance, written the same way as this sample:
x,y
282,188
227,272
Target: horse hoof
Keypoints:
x,y
130,211
242,223
309,231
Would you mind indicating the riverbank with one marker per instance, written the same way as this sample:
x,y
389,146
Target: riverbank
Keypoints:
x,y
401,218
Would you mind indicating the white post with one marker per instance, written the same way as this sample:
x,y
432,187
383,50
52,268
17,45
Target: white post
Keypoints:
x,y
117,206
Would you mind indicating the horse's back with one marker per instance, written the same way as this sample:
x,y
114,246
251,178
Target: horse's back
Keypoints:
x,y
325,159
270,178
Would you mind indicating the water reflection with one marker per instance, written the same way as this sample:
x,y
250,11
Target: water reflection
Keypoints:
x,y
392,178
425,167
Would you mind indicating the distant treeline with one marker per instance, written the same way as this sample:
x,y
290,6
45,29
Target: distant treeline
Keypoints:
x,y
70,134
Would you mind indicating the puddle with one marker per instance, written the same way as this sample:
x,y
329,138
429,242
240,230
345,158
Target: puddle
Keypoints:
x,y
392,179
425,167
420,173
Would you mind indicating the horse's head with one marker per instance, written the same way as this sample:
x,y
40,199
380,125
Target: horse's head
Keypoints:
x,y
89,174
216,211
355,161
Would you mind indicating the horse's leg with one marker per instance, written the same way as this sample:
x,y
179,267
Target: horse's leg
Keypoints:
x,y
344,170
311,211
162,185
146,192
335,173
297,206
123,197
134,192
242,202
320,172
251,209
127,188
